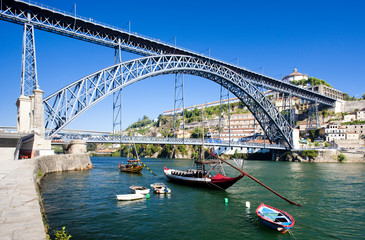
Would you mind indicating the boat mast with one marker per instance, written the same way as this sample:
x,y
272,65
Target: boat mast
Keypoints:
x,y
202,151
135,149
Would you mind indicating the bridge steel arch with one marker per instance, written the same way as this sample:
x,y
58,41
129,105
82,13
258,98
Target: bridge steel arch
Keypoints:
x,y
65,105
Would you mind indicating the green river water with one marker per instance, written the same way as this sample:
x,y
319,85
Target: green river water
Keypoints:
x,y
332,196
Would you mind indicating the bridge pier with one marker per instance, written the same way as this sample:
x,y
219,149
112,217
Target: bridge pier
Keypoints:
x,y
75,147
30,120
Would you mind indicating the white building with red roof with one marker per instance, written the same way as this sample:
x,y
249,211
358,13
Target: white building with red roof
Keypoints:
x,y
295,76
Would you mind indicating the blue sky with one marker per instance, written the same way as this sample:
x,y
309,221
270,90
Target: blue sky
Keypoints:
x,y
324,39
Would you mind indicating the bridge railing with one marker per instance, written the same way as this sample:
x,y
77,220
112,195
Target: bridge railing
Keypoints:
x,y
165,140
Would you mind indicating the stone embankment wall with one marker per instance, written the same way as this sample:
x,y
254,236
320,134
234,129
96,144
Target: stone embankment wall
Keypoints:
x,y
350,106
324,155
350,143
354,156
62,162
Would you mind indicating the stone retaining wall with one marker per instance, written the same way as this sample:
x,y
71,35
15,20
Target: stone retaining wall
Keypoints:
x,y
350,106
350,143
324,155
62,162
354,157
58,163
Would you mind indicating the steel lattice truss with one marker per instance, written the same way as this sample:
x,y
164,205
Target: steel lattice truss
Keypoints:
x,y
29,80
67,24
64,106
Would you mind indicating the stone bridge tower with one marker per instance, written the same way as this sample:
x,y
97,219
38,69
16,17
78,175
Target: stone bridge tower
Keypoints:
x,y
30,120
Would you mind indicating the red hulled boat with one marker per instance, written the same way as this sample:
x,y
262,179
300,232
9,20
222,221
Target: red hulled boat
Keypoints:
x,y
204,173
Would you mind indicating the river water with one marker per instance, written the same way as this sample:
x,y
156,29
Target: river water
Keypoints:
x,y
332,196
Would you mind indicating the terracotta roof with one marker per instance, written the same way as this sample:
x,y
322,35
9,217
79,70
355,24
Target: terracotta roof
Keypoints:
x,y
295,73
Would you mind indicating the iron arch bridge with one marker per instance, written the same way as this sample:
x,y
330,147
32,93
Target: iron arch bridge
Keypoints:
x,y
65,105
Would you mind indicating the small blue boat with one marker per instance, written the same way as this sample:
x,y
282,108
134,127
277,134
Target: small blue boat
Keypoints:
x,y
275,218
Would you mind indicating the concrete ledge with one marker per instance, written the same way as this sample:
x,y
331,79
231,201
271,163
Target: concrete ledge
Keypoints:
x,y
20,214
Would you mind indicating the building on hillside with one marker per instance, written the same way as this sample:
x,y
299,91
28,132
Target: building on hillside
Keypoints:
x,y
352,135
333,132
280,103
295,76
360,115
327,91
356,128
106,151
303,126
180,133
241,125
349,117
200,106
322,89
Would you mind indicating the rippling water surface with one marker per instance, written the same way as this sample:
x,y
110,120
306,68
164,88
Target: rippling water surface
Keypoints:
x,y
332,195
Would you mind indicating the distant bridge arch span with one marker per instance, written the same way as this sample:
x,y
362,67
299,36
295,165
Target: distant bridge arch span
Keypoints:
x,y
65,105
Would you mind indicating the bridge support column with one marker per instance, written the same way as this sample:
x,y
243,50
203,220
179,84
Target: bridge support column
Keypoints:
x,y
24,105
76,147
296,138
31,120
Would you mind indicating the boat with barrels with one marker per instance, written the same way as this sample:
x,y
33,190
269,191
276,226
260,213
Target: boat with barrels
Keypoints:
x,y
203,173
134,164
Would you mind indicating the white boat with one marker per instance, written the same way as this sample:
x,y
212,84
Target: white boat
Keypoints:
x,y
160,188
129,197
140,189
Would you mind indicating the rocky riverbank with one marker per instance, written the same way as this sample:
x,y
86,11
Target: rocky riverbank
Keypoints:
x,y
320,155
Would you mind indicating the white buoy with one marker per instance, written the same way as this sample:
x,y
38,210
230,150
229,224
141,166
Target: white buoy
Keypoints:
x,y
248,205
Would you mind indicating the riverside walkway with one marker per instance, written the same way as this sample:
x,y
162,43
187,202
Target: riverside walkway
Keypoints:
x,y
20,216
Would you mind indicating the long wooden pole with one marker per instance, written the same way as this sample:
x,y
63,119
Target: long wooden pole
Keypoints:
x,y
253,178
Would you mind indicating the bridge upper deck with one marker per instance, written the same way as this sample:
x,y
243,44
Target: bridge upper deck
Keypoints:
x,y
67,24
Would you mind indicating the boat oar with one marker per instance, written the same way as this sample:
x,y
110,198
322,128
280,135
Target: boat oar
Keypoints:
x,y
248,175
147,168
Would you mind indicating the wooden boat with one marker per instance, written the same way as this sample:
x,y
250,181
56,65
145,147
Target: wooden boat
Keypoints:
x,y
204,173
274,218
201,175
133,165
129,197
160,188
140,189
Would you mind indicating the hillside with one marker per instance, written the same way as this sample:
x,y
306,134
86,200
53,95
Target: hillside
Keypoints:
x,y
164,125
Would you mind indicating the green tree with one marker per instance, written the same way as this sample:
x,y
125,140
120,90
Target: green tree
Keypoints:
x,y
196,133
166,151
235,155
182,149
91,147
310,154
341,157
62,234
315,81
140,123
116,154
